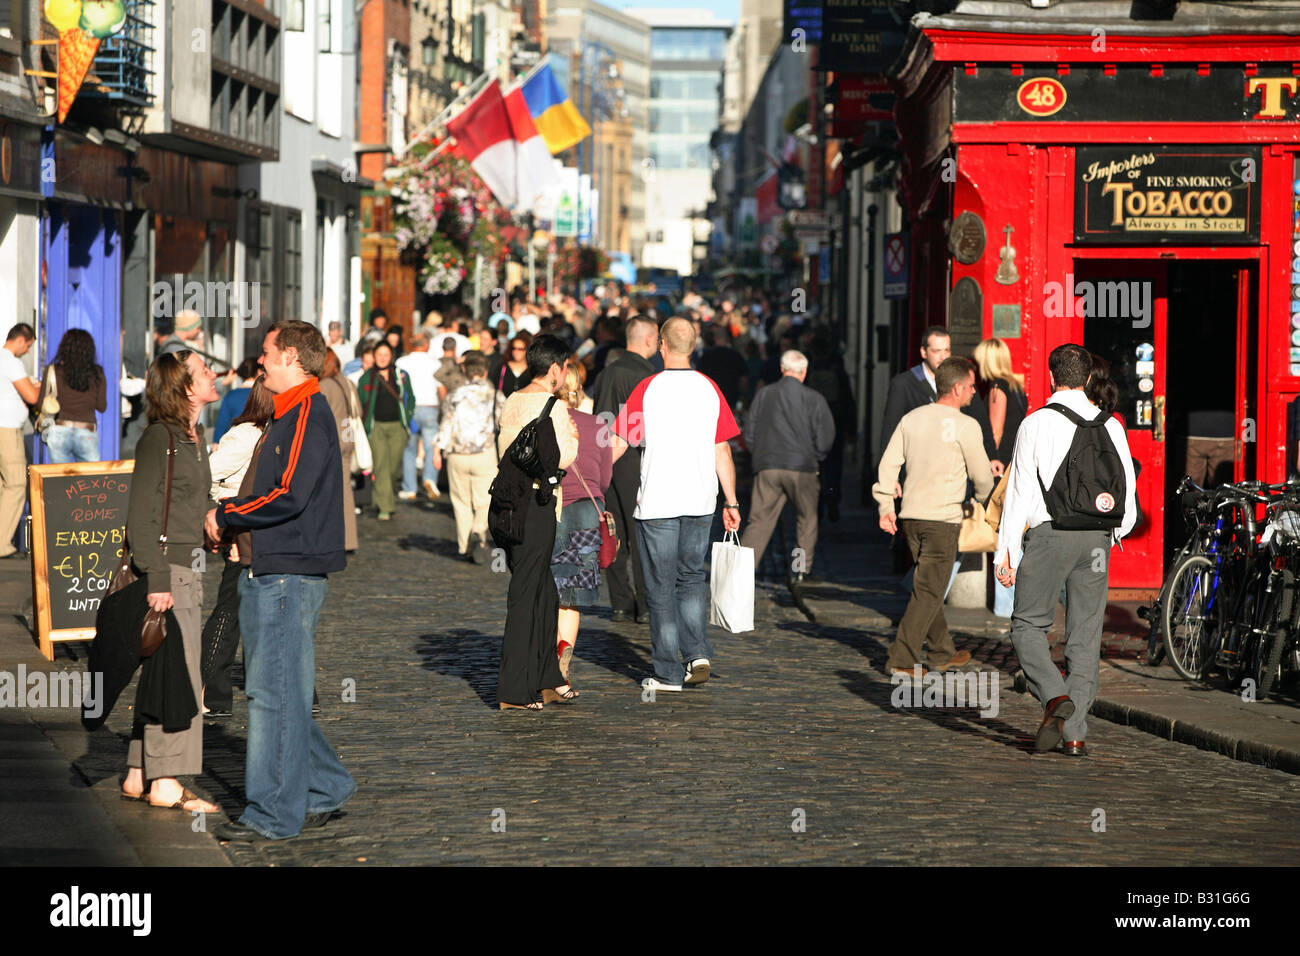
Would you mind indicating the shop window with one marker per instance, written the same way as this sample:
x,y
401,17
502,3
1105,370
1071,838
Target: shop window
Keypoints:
x,y
325,27
322,212
292,264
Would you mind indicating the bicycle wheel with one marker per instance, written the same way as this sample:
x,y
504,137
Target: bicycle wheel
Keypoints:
x,y
1241,639
1187,617
1265,661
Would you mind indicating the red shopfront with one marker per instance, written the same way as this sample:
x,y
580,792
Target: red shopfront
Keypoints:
x,y
1140,196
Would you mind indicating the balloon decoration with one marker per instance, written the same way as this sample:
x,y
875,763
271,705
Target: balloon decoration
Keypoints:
x,y
82,24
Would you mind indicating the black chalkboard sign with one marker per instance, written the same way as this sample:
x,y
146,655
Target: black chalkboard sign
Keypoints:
x,y
78,520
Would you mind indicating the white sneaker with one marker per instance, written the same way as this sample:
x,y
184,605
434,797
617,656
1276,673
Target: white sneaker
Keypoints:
x,y
431,490
654,683
697,671
405,495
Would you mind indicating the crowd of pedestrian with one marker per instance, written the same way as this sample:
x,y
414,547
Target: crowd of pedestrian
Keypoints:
x,y
593,442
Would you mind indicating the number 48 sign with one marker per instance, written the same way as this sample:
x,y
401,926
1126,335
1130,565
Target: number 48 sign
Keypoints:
x,y
1041,96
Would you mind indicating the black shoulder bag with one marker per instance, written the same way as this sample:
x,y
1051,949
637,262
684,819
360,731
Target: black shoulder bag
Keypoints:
x,y
525,462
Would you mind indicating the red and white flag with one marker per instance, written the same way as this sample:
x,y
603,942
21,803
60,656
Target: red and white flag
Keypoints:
x,y
486,138
534,165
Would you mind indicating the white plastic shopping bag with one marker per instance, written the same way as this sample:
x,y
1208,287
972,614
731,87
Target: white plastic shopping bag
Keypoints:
x,y
732,585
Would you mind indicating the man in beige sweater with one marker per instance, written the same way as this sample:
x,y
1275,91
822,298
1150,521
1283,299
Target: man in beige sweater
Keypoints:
x,y
941,448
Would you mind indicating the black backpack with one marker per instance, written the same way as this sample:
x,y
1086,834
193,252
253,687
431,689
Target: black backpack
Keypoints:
x,y
1088,491
534,455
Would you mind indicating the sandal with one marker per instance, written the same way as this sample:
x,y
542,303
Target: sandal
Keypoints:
x,y
187,796
569,696
143,795
535,705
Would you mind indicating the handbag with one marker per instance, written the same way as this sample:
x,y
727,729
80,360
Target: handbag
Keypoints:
x,y
49,408
523,450
608,530
154,628
993,506
362,457
975,535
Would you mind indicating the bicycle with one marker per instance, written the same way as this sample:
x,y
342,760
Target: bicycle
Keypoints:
x,y
1273,651
1204,593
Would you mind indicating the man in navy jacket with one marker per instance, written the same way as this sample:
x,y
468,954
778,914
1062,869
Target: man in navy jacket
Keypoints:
x,y
294,510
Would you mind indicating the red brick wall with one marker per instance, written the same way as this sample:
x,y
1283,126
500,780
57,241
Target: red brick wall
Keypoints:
x,y
381,21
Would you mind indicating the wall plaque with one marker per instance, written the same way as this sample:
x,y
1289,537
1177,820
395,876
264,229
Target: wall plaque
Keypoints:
x,y
966,238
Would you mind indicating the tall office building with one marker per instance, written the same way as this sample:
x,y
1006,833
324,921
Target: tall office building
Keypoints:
x,y
602,57
687,56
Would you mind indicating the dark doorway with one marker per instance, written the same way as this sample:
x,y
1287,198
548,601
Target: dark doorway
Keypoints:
x,y
1201,380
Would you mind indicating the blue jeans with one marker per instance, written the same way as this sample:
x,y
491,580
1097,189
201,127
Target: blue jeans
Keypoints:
x,y
427,417
673,552
291,769
67,444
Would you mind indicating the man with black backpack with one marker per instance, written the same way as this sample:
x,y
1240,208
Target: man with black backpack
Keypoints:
x,y
1070,496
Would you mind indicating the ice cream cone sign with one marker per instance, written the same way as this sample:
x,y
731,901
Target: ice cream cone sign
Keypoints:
x,y
82,24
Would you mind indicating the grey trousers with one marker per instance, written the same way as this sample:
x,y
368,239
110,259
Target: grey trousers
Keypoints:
x,y
157,752
1079,560
772,487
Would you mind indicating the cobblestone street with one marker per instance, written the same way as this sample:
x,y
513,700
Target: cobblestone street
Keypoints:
x,y
794,732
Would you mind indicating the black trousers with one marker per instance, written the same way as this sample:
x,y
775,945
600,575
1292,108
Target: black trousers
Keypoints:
x,y
528,659
221,639
620,498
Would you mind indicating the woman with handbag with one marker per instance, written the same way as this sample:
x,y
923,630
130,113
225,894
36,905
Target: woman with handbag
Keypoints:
x,y
529,672
576,556
74,389
179,384
228,463
389,403
346,406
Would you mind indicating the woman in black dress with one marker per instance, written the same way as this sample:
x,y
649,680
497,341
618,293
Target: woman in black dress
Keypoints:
x,y
1007,401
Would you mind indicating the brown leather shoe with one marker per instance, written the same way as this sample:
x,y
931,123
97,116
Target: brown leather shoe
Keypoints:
x,y
957,660
1074,748
1058,710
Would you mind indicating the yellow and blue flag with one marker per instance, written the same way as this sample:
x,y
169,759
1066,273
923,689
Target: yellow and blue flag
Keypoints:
x,y
554,114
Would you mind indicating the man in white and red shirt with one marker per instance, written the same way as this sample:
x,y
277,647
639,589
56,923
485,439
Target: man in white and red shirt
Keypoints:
x,y
683,425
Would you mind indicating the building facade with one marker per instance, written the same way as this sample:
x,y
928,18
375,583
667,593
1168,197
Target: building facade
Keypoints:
x,y
687,51
1137,197
602,57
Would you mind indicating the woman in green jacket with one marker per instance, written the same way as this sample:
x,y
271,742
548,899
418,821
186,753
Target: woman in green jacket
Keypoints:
x,y
388,404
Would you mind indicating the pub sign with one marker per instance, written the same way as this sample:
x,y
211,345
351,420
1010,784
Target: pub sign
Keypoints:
x,y
1166,194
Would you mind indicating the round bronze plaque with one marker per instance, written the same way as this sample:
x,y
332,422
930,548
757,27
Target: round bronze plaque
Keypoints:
x,y
966,238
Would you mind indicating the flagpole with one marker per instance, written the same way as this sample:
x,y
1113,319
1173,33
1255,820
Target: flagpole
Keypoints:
x,y
537,68
476,86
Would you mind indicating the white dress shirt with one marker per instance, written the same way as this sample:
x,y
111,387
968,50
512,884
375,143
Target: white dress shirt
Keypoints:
x,y
1042,443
